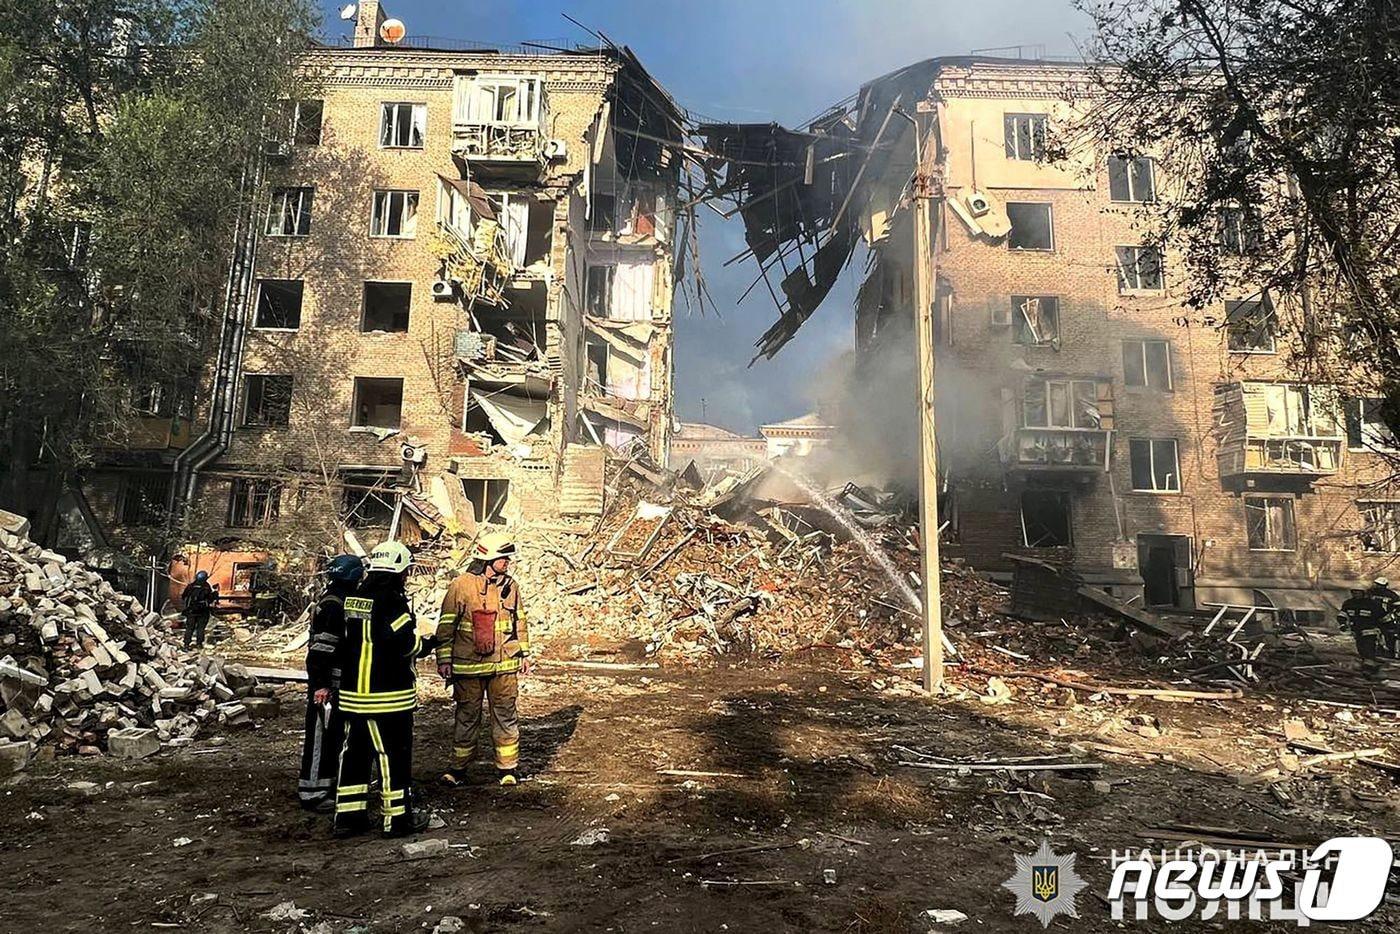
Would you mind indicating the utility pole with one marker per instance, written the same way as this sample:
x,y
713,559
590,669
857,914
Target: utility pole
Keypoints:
x,y
924,285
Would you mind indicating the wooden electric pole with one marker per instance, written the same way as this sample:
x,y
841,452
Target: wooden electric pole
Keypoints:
x,y
924,297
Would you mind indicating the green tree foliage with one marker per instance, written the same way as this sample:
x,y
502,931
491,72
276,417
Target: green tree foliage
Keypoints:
x,y
126,130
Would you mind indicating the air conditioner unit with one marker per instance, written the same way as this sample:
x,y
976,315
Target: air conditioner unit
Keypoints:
x,y
1001,316
442,289
978,203
413,453
556,149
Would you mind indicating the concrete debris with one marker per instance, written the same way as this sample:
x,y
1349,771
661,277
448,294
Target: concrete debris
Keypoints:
x,y
944,916
90,669
423,849
591,837
449,924
286,911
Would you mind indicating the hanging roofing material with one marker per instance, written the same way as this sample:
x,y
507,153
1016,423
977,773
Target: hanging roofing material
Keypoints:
x,y
513,418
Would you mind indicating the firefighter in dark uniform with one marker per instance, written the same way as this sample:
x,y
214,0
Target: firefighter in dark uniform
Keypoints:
x,y
378,694
1390,616
1363,613
325,729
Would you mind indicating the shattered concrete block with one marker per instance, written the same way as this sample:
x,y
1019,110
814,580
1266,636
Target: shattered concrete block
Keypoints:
x,y
133,744
14,757
262,708
423,849
15,725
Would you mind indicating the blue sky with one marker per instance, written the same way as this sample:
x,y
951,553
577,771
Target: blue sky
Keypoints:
x,y
754,61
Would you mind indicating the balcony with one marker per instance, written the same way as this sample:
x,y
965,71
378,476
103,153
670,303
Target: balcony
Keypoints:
x,y
1061,424
500,121
1075,449
1277,430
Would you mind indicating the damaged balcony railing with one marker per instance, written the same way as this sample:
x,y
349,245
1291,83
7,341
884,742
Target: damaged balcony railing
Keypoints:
x,y
1289,429
480,264
1051,448
499,118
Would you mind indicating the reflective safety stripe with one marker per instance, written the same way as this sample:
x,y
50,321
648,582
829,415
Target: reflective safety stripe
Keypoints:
x,y
366,655
524,645
463,750
395,811
397,707
393,795
508,749
354,790
398,624
378,696
343,806
378,740
504,666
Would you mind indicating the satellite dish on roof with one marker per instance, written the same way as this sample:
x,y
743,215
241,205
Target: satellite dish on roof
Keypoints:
x,y
392,30
347,11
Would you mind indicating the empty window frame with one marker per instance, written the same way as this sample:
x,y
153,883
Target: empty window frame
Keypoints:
x,y
367,496
267,400
378,402
1239,231
596,364
394,214
279,304
148,399
289,213
1269,524
304,121
1139,268
1131,179
603,218
1367,428
143,498
1032,225
386,306
253,503
1061,403
1380,527
1035,319
1148,364
1025,136
1250,326
507,101
599,290
488,498
402,126
1046,519
1155,466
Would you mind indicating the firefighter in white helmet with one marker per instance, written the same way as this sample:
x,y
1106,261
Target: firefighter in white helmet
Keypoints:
x,y
482,646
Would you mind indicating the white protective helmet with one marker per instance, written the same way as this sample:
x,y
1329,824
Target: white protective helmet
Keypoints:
x,y
1382,582
493,545
390,556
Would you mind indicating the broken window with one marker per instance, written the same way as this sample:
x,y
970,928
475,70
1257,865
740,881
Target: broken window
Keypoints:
x,y
604,216
488,498
1269,523
509,101
1035,319
513,211
279,304
147,399
143,499
1025,136
386,306
598,294
378,402
1045,518
1061,403
1148,364
267,400
253,503
303,118
1380,530
1239,230
402,126
367,496
1139,268
1131,179
395,214
289,214
1031,226
596,371
1366,426
1154,465
1249,326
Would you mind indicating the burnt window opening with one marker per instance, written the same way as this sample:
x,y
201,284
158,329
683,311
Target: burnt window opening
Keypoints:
x,y
1046,519
1154,464
1035,319
604,216
267,400
367,496
378,402
386,306
1148,364
1269,523
1139,268
289,213
1131,179
488,498
143,499
1061,403
253,503
1032,226
1024,136
1367,428
279,304
1239,231
596,370
1250,326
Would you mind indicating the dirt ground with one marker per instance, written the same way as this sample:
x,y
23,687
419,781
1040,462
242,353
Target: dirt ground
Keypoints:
x,y
807,757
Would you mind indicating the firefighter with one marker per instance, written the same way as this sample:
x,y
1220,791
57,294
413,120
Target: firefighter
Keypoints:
x,y
377,697
198,601
1362,614
1390,615
325,730
483,645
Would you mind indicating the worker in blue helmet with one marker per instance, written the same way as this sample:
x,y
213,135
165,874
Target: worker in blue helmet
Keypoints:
x,y
325,728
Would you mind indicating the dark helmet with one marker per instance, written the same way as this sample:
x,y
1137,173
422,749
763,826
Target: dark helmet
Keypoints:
x,y
345,569
201,576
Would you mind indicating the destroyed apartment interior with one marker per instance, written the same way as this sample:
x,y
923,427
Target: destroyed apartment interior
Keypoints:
x,y
1073,539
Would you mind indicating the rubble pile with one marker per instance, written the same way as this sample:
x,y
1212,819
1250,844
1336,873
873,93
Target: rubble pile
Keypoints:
x,y
86,669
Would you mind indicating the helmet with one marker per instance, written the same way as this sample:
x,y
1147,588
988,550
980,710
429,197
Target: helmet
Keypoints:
x,y
201,576
1382,582
390,556
345,569
493,545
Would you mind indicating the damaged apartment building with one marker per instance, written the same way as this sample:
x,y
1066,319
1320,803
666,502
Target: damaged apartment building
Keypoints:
x,y
1171,456
455,291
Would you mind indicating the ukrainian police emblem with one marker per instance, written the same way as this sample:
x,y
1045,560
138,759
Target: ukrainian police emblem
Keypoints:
x,y
1045,884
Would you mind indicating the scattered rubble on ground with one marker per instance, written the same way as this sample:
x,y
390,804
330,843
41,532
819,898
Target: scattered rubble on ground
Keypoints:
x,y
86,669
